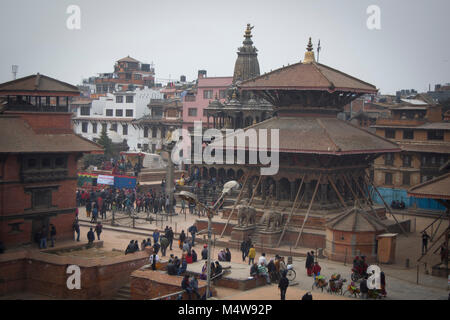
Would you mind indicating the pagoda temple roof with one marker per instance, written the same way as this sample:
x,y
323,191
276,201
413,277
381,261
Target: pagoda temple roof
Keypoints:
x,y
324,135
308,76
19,137
437,188
37,84
128,59
356,220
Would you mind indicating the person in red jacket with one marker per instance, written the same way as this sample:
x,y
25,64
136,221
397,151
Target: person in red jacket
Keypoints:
x,y
316,270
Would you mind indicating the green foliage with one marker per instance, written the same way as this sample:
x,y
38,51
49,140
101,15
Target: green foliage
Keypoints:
x,y
106,143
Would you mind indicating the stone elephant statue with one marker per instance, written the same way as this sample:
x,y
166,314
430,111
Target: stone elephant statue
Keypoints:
x,y
271,219
246,214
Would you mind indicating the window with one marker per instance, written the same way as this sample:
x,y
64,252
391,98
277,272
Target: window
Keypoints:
x,y
435,135
222,94
129,99
61,162
407,161
137,76
119,99
41,198
109,112
406,178
85,111
32,163
388,178
146,132
389,159
145,146
114,127
154,132
128,76
125,129
84,127
408,134
119,113
94,128
192,112
207,94
129,112
205,112
104,127
389,133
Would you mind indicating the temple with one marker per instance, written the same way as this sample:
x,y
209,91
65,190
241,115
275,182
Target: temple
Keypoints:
x,y
240,109
324,162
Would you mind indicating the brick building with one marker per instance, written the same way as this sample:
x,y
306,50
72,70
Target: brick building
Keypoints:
x,y
38,157
425,142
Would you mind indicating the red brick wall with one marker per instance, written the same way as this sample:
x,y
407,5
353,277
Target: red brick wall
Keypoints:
x,y
48,123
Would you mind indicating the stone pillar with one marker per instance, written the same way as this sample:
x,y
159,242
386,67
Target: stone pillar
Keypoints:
x,y
293,191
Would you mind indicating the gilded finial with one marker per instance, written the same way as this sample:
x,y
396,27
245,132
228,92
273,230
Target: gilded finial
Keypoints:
x,y
248,31
309,54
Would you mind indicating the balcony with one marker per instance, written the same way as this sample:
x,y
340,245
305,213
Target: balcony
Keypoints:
x,y
399,122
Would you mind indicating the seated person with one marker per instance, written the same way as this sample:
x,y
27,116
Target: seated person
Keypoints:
x,y
227,255
204,276
172,269
221,255
218,269
194,255
183,267
205,252
189,257
262,271
272,270
254,270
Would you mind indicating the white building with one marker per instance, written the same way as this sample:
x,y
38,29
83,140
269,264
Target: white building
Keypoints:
x,y
114,112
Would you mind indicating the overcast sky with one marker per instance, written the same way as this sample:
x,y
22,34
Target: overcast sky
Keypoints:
x,y
411,50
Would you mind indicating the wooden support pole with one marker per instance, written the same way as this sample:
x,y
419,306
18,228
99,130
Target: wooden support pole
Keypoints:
x,y
292,211
309,209
236,203
389,209
254,190
337,191
364,195
350,187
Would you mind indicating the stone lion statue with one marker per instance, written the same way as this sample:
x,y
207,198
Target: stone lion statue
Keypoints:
x,y
246,214
271,219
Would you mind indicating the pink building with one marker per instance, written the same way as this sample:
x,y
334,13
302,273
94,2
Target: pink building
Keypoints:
x,y
194,104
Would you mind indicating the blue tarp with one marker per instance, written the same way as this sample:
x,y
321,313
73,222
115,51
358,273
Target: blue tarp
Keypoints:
x,y
124,182
390,194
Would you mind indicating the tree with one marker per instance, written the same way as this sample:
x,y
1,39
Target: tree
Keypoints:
x,y
106,143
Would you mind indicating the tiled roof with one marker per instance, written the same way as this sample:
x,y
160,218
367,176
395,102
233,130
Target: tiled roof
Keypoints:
x,y
19,137
38,83
322,136
356,220
308,76
215,82
437,188
426,147
128,59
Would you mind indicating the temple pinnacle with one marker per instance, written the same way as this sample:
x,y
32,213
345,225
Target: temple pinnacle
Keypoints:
x,y
309,54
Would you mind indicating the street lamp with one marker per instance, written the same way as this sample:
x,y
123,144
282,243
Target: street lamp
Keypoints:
x,y
190,197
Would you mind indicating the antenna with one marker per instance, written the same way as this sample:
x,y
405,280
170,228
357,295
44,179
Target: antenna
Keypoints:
x,y
318,50
14,69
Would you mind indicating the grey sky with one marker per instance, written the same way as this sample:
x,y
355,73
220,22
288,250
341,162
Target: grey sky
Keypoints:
x,y
410,51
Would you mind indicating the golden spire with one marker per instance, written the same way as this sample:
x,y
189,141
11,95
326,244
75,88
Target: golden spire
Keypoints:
x,y
248,31
309,54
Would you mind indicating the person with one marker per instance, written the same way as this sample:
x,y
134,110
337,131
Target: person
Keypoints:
x,y
221,255
183,267
363,288
156,247
272,270
188,257
172,268
186,246
227,255
183,207
263,259
52,234
94,213
205,252
43,238
76,228
307,296
143,245
383,283
193,231
98,229
251,254
135,246
90,236
204,276
194,285
88,208
357,265
425,238
316,270
283,266
155,236
130,247
153,260
262,271
185,285
244,250
283,284
170,237
182,239
164,244
194,256
309,264
443,253
254,270
218,269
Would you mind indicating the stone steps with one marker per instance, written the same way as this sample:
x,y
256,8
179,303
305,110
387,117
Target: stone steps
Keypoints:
x,y
123,293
